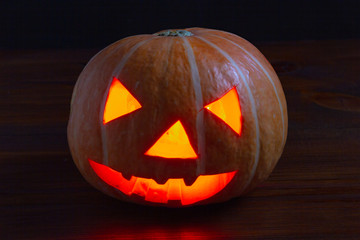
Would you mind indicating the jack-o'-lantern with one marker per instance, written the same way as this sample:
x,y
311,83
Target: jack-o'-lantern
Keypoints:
x,y
177,118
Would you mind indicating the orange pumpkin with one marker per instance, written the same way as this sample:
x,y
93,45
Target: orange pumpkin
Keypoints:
x,y
177,118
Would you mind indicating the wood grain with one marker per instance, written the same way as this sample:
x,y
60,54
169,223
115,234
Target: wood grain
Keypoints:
x,y
313,193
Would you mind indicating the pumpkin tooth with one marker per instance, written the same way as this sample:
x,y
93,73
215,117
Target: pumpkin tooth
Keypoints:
x,y
161,180
141,186
190,180
126,176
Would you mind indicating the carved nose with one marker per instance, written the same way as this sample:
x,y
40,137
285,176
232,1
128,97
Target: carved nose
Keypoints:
x,y
174,143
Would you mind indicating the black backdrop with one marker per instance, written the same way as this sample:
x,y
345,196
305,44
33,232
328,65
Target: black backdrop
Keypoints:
x,y
95,24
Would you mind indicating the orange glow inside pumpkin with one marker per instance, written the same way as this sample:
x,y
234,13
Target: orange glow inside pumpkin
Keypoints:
x,y
119,102
227,108
174,143
205,186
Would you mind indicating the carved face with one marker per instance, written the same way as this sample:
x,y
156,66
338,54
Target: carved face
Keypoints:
x,y
173,144
177,118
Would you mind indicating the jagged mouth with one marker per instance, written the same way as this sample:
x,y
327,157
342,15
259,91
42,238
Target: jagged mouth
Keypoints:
x,y
174,189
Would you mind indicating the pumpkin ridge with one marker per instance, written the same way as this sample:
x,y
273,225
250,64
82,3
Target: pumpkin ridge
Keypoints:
x,y
269,78
253,104
195,77
118,69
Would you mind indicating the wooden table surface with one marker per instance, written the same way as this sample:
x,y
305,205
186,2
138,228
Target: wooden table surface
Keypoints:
x,y
314,192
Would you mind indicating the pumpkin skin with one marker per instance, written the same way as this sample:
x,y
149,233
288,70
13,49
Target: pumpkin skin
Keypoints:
x,y
174,74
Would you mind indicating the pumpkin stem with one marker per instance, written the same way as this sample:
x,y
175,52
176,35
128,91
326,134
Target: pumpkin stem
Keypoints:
x,y
174,33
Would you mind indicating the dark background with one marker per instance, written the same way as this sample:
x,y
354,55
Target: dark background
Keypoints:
x,y
96,24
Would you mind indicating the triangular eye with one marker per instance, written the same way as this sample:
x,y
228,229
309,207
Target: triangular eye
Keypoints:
x,y
119,102
227,108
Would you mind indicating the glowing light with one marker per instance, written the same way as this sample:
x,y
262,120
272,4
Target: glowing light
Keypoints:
x,y
227,108
119,102
174,143
204,187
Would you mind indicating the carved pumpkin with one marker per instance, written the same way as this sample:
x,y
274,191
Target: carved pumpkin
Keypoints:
x,y
177,118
